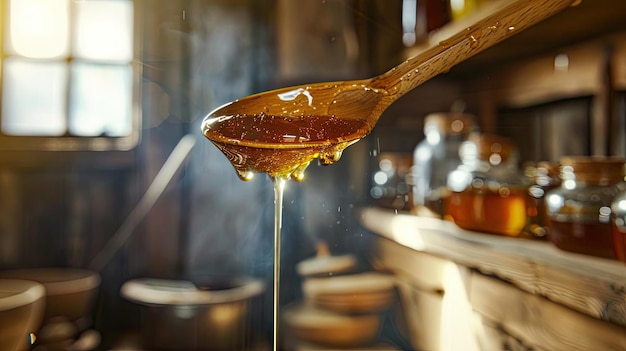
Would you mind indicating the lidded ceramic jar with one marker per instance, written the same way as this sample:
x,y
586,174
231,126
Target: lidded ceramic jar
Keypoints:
x,y
579,211
488,192
435,157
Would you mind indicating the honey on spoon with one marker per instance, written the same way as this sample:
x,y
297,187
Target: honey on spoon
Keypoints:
x,y
280,132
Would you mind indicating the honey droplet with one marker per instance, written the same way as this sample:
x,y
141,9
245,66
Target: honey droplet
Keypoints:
x,y
244,174
298,173
330,157
473,41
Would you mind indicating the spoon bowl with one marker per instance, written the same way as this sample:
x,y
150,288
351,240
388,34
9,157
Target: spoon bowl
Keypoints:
x,y
273,132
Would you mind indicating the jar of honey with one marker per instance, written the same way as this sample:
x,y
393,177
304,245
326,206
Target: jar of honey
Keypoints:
x,y
579,211
618,225
543,176
488,192
435,157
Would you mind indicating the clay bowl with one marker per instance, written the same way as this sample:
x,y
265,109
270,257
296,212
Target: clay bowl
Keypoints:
x,y
356,293
322,327
22,304
70,293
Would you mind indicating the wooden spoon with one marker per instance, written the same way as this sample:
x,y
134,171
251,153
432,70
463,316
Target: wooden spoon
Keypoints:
x,y
239,128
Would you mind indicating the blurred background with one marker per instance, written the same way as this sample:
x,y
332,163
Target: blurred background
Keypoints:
x,y
95,96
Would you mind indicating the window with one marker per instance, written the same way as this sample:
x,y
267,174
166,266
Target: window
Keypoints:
x,y
67,80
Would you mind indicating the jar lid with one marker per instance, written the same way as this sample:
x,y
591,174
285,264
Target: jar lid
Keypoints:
x,y
549,167
594,168
449,123
492,147
542,169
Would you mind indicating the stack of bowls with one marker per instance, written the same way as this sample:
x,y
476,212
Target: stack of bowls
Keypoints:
x,y
363,293
342,306
69,296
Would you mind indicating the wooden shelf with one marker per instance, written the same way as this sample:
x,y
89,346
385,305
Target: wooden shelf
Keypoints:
x,y
593,286
585,21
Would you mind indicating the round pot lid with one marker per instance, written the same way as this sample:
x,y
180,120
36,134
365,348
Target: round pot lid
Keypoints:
x,y
181,292
57,281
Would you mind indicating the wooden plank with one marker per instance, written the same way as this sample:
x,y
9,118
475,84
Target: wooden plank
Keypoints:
x,y
539,322
593,19
492,337
422,314
536,80
434,295
594,286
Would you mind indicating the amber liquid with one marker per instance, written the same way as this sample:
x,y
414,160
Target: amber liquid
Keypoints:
x,y
619,241
488,211
282,147
538,213
584,237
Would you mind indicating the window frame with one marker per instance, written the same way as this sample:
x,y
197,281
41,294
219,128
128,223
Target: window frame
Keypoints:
x,y
79,143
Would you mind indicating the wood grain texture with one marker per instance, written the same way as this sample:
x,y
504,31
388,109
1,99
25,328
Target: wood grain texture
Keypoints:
x,y
495,22
593,286
541,323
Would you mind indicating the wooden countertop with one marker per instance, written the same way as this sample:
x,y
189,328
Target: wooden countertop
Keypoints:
x,y
593,286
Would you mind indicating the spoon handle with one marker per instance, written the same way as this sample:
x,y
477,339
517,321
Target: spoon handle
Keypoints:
x,y
506,18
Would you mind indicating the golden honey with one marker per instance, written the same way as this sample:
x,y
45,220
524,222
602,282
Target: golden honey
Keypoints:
x,y
281,146
487,192
500,211
580,209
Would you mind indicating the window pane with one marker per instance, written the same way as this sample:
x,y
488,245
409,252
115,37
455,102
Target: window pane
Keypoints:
x,y
100,100
104,30
38,28
33,97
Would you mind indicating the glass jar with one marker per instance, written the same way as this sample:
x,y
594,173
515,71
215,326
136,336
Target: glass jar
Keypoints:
x,y
488,192
388,181
579,211
618,225
543,176
435,157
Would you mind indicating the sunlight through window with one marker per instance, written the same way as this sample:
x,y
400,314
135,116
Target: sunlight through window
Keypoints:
x,y
102,98
104,30
33,94
66,68
38,28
